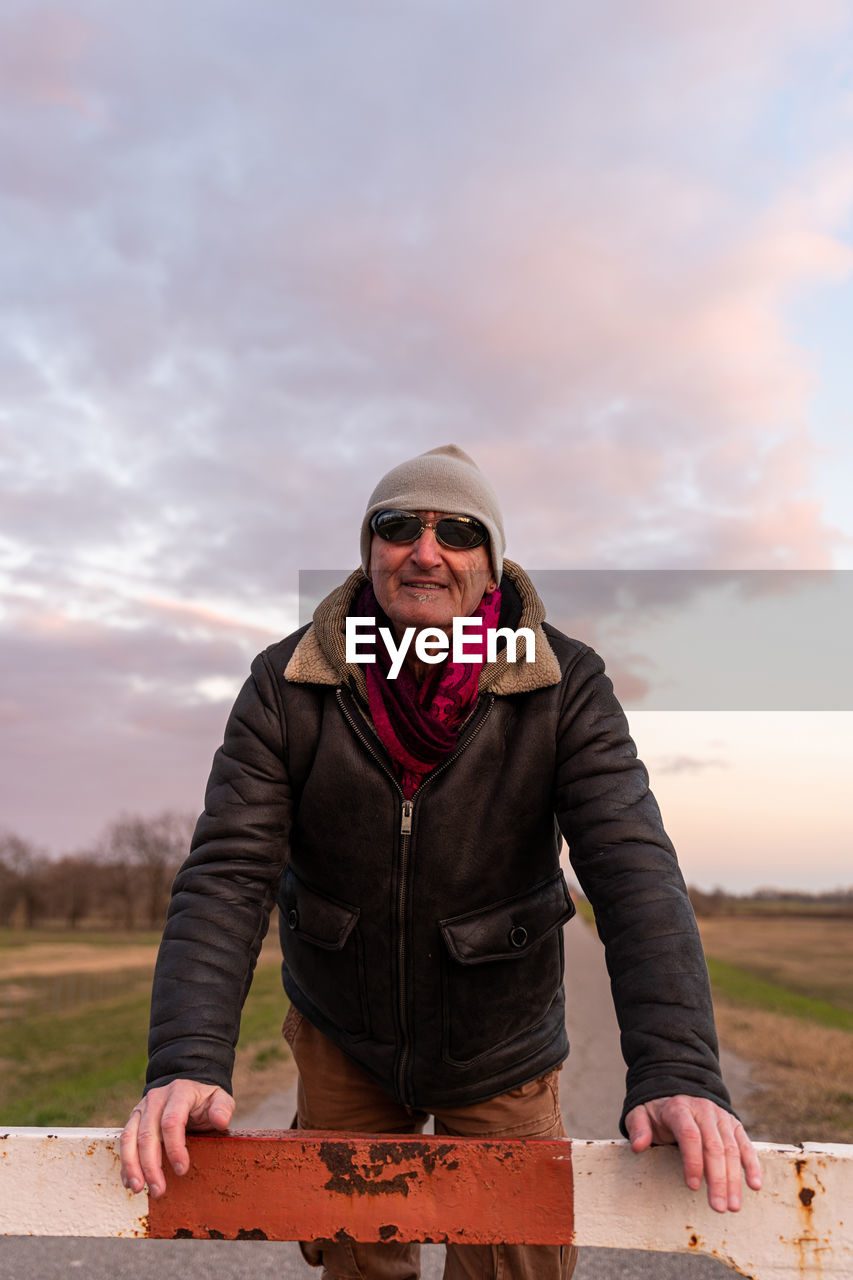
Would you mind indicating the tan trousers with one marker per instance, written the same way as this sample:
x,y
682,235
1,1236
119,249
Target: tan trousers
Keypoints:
x,y
334,1093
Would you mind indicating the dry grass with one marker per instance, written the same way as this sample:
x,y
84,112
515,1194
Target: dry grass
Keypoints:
x,y
43,960
802,1072
803,1075
811,956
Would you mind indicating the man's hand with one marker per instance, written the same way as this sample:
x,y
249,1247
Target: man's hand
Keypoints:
x,y
163,1116
711,1140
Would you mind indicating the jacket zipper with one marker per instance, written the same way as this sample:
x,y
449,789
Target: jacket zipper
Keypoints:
x,y
402,895
402,1009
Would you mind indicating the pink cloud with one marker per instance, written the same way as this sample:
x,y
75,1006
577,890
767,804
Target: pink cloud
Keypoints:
x,y
41,55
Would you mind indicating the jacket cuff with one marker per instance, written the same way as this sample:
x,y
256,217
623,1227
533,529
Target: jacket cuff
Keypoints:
x,y
196,1066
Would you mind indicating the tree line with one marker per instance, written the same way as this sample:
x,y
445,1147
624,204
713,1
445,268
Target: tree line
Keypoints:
x,y
122,881
772,901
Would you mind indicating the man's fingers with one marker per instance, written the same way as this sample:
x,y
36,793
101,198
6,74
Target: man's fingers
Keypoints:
x,y
173,1126
681,1122
733,1167
712,1142
728,1154
148,1139
213,1110
748,1157
715,1150
715,1143
160,1121
131,1171
639,1126
197,1107
220,1109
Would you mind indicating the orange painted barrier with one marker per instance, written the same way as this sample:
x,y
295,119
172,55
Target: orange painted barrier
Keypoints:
x,y
241,1187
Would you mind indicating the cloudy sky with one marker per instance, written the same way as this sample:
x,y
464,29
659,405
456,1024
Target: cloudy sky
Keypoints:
x,y
253,254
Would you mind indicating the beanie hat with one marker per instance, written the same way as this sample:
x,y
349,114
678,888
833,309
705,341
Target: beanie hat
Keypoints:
x,y
443,479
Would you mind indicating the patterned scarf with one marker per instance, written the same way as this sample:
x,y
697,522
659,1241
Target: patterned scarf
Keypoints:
x,y
419,724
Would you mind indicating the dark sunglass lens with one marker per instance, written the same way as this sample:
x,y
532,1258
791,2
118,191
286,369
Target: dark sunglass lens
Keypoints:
x,y
395,526
461,534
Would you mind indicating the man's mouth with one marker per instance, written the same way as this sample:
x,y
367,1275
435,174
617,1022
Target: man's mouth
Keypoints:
x,y
425,586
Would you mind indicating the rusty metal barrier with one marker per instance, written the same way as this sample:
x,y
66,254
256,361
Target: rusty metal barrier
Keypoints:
x,y
290,1186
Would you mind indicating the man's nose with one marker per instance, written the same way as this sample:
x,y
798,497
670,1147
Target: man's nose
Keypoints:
x,y
426,552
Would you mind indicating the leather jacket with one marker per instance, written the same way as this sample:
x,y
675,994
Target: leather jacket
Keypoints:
x,y
425,936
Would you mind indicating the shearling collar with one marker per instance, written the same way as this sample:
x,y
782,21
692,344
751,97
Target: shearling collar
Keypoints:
x,y
320,656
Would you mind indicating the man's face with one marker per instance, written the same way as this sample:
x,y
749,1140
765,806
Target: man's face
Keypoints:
x,y
423,584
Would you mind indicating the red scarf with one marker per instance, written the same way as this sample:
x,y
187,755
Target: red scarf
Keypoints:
x,y
419,724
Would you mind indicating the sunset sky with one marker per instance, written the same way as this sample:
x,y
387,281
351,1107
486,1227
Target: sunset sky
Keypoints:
x,y
254,254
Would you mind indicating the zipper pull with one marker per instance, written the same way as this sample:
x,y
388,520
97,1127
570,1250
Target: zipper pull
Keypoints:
x,y
406,823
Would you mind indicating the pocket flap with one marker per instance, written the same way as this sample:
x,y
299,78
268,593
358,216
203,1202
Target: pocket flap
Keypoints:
x,y
508,929
314,917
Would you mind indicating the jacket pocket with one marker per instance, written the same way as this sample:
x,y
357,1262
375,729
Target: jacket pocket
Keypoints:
x,y
503,972
323,953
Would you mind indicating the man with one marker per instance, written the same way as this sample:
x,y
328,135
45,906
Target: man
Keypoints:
x,y
405,810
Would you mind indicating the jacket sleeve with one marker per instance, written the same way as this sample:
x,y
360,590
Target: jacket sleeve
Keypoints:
x,y
626,866
223,894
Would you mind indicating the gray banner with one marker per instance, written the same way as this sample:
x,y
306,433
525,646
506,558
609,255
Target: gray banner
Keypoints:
x,y
698,640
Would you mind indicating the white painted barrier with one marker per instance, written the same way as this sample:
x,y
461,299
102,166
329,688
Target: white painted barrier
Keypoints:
x,y
800,1223
65,1182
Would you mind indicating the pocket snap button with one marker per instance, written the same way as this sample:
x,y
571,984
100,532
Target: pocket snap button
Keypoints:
x,y
518,936
293,917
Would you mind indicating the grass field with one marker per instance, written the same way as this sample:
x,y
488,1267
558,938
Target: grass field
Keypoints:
x,y
74,1019
783,994
783,991
74,1011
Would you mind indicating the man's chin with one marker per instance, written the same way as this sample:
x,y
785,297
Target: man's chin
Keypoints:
x,y
425,616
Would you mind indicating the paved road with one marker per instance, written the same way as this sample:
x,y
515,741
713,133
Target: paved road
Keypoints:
x,y
591,1091
247,1260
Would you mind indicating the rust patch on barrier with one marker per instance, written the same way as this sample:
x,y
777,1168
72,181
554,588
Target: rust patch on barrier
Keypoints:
x,y
302,1185
368,1180
806,1194
210,1233
371,1177
809,1245
430,1154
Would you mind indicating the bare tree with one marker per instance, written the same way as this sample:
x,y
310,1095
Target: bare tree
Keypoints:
x,y
22,893
142,855
71,887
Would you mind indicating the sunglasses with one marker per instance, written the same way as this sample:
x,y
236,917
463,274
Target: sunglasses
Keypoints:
x,y
457,533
